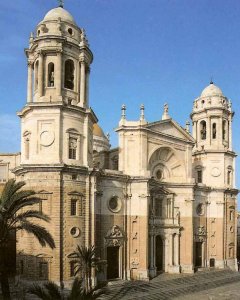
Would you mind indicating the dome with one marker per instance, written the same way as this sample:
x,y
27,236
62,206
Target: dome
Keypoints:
x,y
97,131
211,90
59,12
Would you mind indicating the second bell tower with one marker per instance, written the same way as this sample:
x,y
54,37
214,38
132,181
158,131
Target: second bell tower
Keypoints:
x,y
56,121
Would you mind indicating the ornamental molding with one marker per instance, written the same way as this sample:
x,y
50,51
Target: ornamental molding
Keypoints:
x,y
114,237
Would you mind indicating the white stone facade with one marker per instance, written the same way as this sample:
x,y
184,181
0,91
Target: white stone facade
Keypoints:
x,y
163,201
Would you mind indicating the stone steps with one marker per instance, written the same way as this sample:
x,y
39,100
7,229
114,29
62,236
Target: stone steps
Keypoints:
x,y
167,286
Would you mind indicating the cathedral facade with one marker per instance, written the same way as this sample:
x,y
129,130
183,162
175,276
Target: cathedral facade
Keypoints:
x,y
164,200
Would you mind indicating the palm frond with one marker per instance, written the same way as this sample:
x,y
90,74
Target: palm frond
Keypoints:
x,y
22,203
53,290
29,214
18,196
10,188
43,236
39,291
76,290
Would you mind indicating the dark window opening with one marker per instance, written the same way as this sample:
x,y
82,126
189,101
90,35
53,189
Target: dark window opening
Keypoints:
x,y
214,131
224,130
203,130
50,74
73,207
199,176
69,74
72,148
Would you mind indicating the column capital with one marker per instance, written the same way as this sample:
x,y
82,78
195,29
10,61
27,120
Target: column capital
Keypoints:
x,y
59,51
40,52
30,63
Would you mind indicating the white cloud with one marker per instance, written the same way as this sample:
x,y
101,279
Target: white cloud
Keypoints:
x,y
9,133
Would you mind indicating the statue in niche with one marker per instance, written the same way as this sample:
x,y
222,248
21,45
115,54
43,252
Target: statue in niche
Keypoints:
x,y
52,79
203,132
115,232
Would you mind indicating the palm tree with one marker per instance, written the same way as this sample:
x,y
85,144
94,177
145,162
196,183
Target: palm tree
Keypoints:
x,y
12,219
50,291
85,260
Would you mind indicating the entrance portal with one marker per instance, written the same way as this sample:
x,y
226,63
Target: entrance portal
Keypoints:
x,y
159,253
112,262
198,254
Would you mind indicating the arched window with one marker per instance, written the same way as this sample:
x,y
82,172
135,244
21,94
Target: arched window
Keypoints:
x,y
69,74
51,74
229,176
214,131
203,130
224,129
72,148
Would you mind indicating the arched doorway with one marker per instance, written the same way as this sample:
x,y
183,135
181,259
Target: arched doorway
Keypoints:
x,y
159,253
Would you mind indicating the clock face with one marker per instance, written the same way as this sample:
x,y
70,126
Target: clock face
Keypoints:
x,y
215,172
47,138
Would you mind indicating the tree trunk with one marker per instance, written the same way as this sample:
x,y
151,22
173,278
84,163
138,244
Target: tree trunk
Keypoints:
x,y
4,275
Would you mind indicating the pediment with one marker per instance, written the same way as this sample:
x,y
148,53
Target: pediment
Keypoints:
x,y
170,128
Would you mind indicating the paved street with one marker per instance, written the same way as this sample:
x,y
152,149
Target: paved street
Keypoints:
x,y
221,284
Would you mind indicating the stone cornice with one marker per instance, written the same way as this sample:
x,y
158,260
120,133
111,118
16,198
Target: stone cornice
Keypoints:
x,y
24,168
60,105
205,151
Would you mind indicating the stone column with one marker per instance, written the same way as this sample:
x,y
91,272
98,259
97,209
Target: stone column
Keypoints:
x,y
40,75
83,84
152,252
59,73
78,82
209,131
170,237
230,133
166,252
176,249
29,86
87,87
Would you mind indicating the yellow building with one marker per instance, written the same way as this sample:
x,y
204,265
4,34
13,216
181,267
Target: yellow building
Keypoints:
x,y
164,200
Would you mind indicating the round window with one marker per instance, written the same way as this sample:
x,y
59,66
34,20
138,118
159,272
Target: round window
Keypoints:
x,y
70,31
159,174
115,204
200,209
75,232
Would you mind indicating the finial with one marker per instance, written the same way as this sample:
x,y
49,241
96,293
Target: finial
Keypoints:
x,y
142,112
84,41
165,115
211,81
187,127
108,136
31,37
123,111
61,3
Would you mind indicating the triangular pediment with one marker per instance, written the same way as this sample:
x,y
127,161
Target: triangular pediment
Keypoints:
x,y
170,128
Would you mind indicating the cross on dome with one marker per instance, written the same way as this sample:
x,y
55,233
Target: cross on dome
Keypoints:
x,y
61,3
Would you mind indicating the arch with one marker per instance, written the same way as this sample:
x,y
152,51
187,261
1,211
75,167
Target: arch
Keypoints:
x,y
50,74
165,160
72,130
69,74
203,130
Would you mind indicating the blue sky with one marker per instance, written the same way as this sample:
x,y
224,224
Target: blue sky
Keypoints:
x,y
145,51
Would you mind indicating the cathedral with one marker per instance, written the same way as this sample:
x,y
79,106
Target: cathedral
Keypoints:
x,y
164,200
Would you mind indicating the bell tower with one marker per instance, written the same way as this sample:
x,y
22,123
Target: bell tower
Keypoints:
x,y
215,195
57,122
214,159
